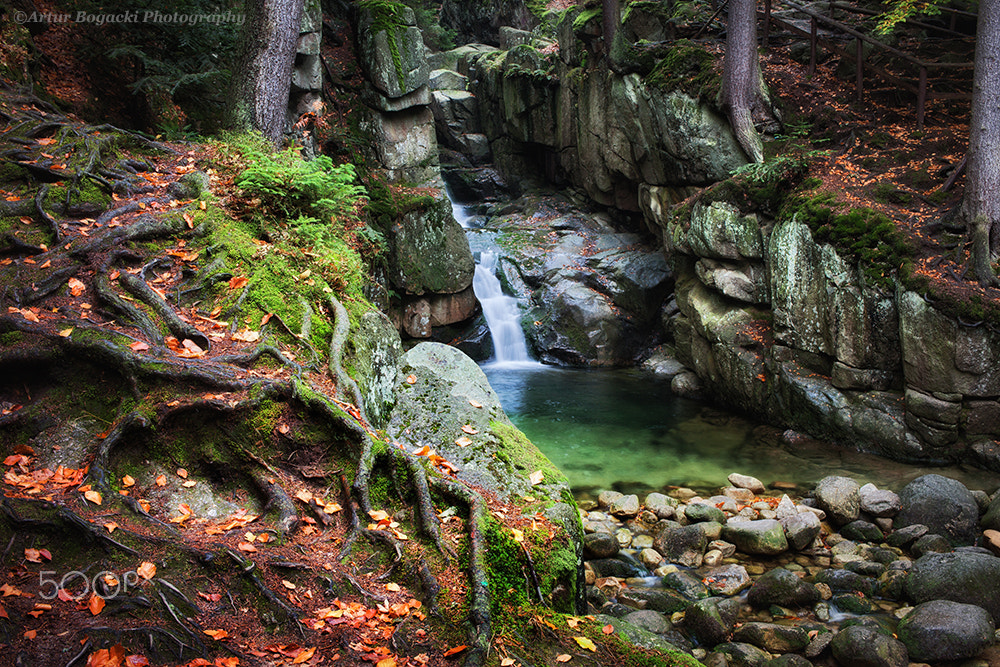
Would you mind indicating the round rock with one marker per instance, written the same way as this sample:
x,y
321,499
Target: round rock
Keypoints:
x,y
866,646
784,588
746,482
624,506
942,630
879,502
600,545
840,498
942,504
764,536
967,577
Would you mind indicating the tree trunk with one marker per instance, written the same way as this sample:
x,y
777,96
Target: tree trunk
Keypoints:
x,y
743,95
264,71
980,204
609,22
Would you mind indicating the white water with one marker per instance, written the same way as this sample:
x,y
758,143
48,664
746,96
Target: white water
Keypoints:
x,y
503,317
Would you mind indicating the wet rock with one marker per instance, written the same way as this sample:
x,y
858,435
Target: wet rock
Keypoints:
x,y
991,519
739,654
686,584
942,630
879,502
637,636
862,531
928,543
727,580
866,568
687,384
904,537
698,512
773,637
992,540
781,587
801,530
684,545
866,646
625,506
606,498
942,504
600,545
660,505
818,644
649,620
711,621
840,498
746,482
970,578
764,536
789,660
845,581
663,601
853,604
614,567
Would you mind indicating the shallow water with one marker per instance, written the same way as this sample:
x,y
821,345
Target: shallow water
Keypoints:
x,y
625,430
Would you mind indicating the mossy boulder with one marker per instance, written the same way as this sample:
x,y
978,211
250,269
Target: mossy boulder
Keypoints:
x,y
428,251
392,47
373,356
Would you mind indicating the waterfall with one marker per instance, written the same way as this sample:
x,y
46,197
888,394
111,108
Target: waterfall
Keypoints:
x,y
503,317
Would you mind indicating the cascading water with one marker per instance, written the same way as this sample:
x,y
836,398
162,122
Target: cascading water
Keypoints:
x,y
503,318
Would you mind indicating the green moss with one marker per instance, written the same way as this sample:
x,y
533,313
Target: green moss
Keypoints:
x,y
585,17
388,15
688,67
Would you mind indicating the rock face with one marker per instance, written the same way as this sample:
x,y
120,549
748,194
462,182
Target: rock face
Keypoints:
x,y
590,291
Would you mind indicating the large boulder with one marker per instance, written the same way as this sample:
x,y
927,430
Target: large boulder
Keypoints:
x,y
374,354
428,252
404,142
941,630
942,504
960,576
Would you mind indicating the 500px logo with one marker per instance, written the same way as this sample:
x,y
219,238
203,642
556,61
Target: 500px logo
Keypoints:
x,y
104,584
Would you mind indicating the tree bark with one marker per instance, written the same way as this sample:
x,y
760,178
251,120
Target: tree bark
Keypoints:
x,y
264,72
980,203
609,21
743,95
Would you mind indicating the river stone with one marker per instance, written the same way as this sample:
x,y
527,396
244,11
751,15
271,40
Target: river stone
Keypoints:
x,y
786,508
686,584
801,529
846,581
773,637
649,620
728,580
942,630
931,542
840,498
664,601
878,502
904,537
740,654
866,568
991,519
853,604
970,578
684,545
867,646
746,482
600,545
626,506
637,636
862,531
698,512
711,621
429,252
942,504
764,536
992,540
606,498
789,660
781,587
661,505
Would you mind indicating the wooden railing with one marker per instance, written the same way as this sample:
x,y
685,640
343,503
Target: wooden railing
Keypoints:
x,y
919,87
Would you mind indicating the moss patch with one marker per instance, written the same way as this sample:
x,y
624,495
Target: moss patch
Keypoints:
x,y
690,68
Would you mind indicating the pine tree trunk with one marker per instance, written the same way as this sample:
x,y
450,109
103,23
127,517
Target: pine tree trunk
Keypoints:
x,y
980,204
743,92
609,21
263,75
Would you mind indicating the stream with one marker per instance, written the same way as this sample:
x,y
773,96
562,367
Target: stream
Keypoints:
x,y
625,430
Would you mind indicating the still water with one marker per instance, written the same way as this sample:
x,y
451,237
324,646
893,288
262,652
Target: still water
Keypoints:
x,y
625,430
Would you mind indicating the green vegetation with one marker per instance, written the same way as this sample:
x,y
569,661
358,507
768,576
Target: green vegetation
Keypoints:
x,y
388,15
585,17
690,68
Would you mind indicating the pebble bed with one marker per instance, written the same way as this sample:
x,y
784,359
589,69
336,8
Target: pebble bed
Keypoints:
x,y
849,575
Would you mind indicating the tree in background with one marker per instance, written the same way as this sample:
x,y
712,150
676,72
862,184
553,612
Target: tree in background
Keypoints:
x,y
264,69
743,96
980,208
